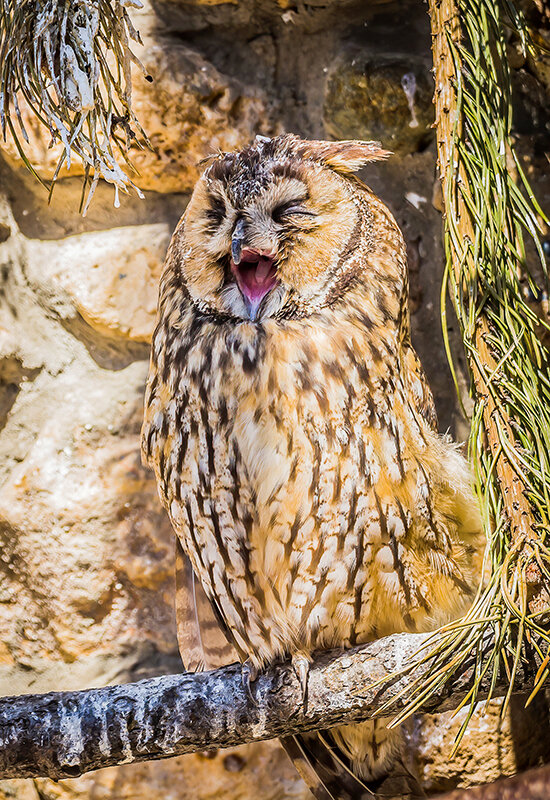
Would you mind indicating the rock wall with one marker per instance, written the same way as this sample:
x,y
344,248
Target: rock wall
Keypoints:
x,y
86,552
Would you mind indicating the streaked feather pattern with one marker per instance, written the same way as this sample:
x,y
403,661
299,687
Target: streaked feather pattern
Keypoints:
x,y
293,433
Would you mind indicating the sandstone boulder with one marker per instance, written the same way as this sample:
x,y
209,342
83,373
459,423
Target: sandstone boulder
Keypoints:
x,y
87,552
108,277
385,99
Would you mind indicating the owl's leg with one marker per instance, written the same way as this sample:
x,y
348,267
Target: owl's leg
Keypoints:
x,y
300,664
249,673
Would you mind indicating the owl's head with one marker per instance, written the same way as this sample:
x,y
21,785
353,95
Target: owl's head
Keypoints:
x,y
269,229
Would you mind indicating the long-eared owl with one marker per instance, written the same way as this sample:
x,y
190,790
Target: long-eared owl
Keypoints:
x,y
293,434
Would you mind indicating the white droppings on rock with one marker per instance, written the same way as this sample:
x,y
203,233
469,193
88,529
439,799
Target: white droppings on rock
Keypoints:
x,y
408,82
415,199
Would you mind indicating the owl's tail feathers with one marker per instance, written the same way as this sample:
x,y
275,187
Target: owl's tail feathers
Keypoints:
x,y
202,642
329,773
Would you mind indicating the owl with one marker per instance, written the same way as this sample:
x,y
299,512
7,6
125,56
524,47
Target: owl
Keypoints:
x,y
293,434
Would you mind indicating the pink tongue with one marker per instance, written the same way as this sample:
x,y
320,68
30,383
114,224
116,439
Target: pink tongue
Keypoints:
x,y
263,268
256,275
256,280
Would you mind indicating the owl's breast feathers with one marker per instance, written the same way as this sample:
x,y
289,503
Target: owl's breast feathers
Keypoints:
x,y
298,464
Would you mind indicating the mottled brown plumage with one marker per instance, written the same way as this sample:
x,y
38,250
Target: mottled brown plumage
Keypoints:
x,y
292,431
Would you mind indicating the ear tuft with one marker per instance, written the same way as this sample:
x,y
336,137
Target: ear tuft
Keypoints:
x,y
346,156
208,160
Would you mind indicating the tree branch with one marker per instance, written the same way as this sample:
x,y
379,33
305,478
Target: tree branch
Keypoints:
x,y
64,734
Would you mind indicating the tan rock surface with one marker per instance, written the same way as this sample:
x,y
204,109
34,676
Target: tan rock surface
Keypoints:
x,y
492,746
251,771
87,550
109,277
189,112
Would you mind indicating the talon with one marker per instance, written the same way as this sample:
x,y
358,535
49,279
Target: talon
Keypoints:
x,y
249,673
300,665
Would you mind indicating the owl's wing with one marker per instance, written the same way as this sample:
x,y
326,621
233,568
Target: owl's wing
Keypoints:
x,y
329,775
202,642
323,775
420,394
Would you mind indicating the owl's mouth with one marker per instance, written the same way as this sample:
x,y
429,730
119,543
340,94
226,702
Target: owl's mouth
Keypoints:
x,y
256,276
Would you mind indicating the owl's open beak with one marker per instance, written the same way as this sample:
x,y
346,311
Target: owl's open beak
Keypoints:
x,y
256,274
237,241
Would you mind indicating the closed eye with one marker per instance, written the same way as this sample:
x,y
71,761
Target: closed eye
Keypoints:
x,y
216,213
291,208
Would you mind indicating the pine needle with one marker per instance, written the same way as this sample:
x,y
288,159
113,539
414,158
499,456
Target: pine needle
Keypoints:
x,y
69,60
487,217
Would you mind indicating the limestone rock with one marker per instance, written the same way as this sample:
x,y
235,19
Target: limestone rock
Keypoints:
x,y
492,746
388,100
87,552
108,277
189,112
265,773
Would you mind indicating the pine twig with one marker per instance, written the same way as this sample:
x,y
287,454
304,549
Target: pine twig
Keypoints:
x,y
486,216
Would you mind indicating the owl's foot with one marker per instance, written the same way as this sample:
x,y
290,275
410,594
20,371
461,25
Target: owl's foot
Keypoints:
x,y
249,673
300,665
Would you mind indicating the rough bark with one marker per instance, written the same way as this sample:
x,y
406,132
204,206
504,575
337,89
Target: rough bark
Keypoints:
x,y
64,734
531,785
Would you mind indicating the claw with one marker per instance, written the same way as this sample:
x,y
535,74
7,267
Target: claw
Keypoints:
x,y
249,673
300,665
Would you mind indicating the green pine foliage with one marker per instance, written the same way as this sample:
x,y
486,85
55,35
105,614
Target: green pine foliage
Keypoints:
x,y
496,291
